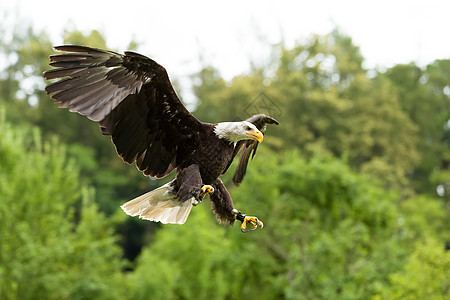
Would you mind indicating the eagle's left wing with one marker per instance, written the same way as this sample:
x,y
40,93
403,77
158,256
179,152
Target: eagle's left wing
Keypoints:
x,y
248,147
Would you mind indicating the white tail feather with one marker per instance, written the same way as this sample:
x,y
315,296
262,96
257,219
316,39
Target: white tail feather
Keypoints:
x,y
159,205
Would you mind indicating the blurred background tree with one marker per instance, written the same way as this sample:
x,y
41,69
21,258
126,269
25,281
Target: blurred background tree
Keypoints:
x,y
55,243
329,104
346,185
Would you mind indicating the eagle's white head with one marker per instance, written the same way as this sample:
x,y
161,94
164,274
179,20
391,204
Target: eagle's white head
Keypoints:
x,y
237,131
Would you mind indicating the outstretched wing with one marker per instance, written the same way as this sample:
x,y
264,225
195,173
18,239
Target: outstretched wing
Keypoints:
x,y
132,99
248,148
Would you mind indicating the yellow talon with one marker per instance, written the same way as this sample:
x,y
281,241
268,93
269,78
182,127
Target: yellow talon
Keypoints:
x,y
206,189
200,194
253,221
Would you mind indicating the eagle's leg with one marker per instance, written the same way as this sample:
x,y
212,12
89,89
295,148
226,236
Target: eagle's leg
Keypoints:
x,y
223,207
253,221
201,193
191,186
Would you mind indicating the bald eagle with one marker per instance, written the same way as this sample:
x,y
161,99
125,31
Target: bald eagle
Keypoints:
x,y
132,99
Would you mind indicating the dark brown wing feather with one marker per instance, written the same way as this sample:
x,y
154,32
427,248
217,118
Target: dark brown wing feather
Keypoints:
x,y
248,147
132,99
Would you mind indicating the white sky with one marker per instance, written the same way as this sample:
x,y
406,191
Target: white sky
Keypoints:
x,y
229,34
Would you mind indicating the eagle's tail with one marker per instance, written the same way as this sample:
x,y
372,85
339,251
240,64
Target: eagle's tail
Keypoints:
x,y
159,205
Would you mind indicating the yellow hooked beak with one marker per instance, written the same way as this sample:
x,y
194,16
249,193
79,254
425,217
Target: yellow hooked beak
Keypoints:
x,y
256,135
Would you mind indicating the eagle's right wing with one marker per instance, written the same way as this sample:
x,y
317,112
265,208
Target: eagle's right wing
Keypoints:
x,y
132,99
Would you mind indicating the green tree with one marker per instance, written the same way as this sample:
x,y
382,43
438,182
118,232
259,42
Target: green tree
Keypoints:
x,y
329,233
425,275
424,95
54,242
325,102
424,217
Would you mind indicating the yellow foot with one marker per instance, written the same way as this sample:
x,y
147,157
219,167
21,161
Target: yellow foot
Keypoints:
x,y
204,190
253,221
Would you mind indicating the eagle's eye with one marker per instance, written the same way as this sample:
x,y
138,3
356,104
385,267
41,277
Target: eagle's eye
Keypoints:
x,y
248,128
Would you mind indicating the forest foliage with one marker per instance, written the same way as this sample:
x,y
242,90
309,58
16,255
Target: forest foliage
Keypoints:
x,y
353,186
